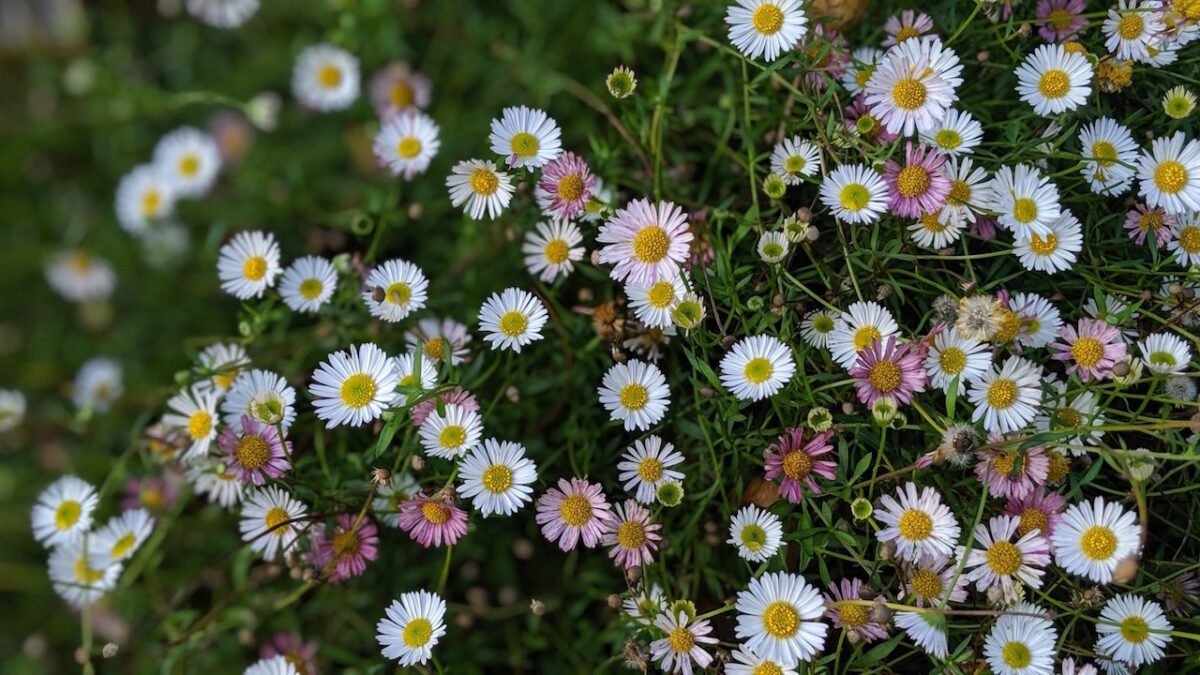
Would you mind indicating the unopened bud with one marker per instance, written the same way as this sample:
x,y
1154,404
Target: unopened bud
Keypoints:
x,y
378,294
417,462
614,601
537,607
1126,570
380,477
110,650
880,613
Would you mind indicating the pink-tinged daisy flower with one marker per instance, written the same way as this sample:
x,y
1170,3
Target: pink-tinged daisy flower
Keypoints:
x,y
1038,510
631,535
918,187
999,560
908,25
682,647
292,647
346,553
1090,350
456,396
888,369
567,185
827,49
1011,473
432,521
396,89
645,241
913,87
1143,221
1061,19
860,118
153,493
256,453
852,616
574,510
797,461
933,581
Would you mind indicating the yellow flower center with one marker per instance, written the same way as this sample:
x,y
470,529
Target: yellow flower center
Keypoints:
x,y
1060,466
402,95
915,525
1151,221
556,251
1004,558
758,370
767,668
797,464
311,288
435,348
1010,323
1016,655
1041,246
781,620
1067,418
418,632
1189,239
150,202
1104,153
435,513
863,337
1054,84
1098,542
1032,519
909,94
408,147
513,323
863,74
452,436
274,518
1135,629
67,514
1087,351
524,144
484,181
570,187
226,378
189,164
651,244
912,181
794,164
1025,210
398,293
497,478
926,584
1006,462
930,223
358,390
681,640
754,537
634,396
884,377
661,294
854,616
84,574
631,535
1002,394
854,197
153,498
329,76
575,510
346,544
1060,19
948,139
123,546
952,360
960,193
768,19
650,470
1130,26
253,452
199,425
1170,176
905,33
255,268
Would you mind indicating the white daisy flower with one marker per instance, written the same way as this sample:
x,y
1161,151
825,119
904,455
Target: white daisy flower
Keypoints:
x,y
958,134
1040,320
645,241
1026,201
862,64
265,525
248,264
1006,399
1000,561
795,157
63,511
646,464
1053,80
936,230
1081,413
652,304
81,572
412,627
756,533
817,326
388,498
766,28
779,618
190,159
478,187
308,283
647,341
645,606
1165,353
407,142
512,319
264,396
99,382
913,87
193,411
218,365
1169,174
757,367
122,535
927,629
747,663
276,665
773,247
145,196
1186,244
635,392
855,193
496,477
1114,312
210,478
12,409
222,13
80,277
451,434
970,191
552,249
1021,644
683,644
1056,251
407,376
395,289
1132,630
919,523
435,338
525,137
857,328
1110,156
355,386
1131,28
1092,538
325,78
956,356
